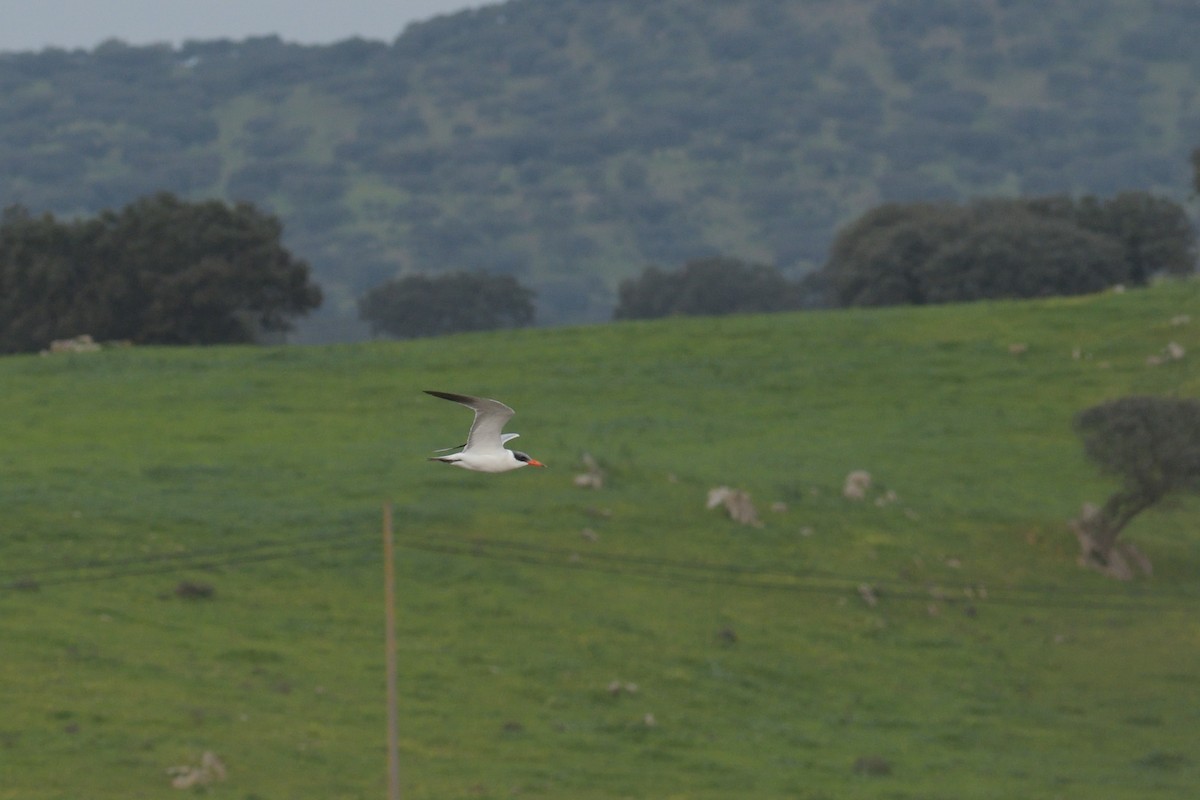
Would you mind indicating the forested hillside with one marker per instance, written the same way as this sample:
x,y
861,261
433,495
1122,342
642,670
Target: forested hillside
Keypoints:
x,y
570,143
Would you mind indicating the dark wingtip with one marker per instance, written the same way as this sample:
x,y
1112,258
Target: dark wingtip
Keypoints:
x,y
457,398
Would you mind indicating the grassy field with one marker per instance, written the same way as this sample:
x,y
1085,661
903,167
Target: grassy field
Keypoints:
x,y
620,643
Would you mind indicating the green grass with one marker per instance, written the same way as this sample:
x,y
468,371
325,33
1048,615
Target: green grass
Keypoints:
x,y
991,667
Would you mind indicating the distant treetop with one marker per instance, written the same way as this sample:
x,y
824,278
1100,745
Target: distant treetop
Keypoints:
x,y
916,253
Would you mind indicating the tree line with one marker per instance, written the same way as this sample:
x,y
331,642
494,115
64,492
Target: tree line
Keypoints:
x,y
165,271
896,254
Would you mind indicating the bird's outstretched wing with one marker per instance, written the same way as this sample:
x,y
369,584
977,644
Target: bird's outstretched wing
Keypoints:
x,y
490,418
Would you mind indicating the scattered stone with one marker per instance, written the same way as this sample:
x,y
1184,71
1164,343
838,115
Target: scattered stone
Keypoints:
x,y
187,590
593,478
1174,351
617,688
1018,348
856,485
210,770
876,766
737,503
83,343
867,592
886,499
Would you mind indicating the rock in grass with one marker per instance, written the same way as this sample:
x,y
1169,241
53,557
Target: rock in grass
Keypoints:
x,y
190,590
876,766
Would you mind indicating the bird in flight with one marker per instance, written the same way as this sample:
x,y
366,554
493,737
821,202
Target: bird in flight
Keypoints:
x,y
484,450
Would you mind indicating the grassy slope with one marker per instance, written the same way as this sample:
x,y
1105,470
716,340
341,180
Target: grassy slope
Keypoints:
x,y
992,667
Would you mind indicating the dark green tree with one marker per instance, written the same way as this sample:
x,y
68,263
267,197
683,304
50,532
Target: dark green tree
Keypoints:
x,y
159,271
420,305
706,286
1154,232
1019,256
877,260
41,273
198,273
1151,445
913,253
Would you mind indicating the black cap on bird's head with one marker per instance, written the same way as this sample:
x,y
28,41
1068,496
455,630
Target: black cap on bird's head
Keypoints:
x,y
526,458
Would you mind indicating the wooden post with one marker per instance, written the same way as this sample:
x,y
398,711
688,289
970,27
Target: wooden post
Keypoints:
x,y
389,614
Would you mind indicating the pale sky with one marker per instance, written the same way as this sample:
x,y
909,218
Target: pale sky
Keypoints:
x,y
35,24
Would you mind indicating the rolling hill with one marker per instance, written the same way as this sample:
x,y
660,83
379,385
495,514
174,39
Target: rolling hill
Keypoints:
x,y
572,143
189,564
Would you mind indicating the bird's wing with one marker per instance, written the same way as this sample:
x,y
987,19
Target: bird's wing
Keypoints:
x,y
490,418
504,439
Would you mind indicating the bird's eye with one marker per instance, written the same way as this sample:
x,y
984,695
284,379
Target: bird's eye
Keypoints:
x,y
521,457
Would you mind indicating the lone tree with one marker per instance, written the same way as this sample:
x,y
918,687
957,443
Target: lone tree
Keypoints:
x,y
420,305
1152,446
159,271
